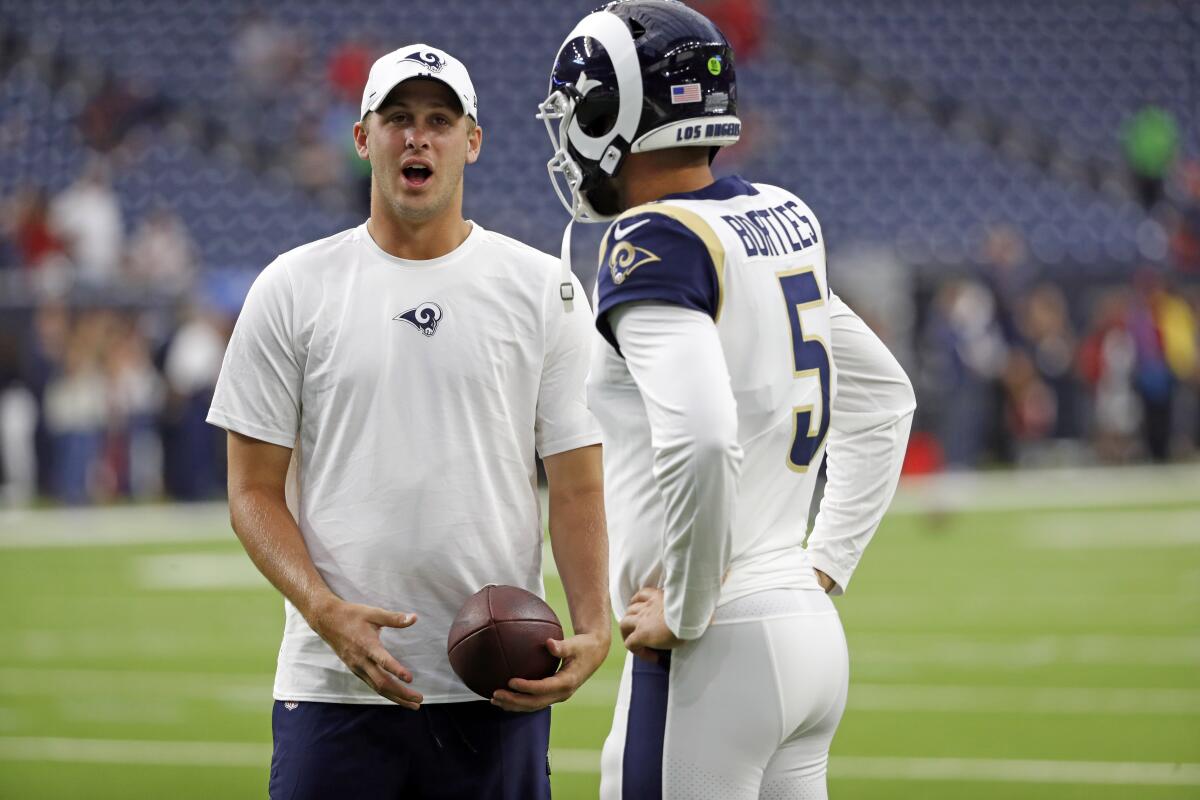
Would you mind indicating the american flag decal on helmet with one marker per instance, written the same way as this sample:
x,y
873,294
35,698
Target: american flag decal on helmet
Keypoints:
x,y
685,93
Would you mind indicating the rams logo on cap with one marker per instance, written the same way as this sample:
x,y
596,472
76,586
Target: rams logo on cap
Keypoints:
x,y
431,61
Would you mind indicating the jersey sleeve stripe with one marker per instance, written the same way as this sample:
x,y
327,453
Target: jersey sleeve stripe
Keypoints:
x,y
704,232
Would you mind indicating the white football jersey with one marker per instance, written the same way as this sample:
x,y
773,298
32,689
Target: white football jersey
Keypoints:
x,y
752,258
415,395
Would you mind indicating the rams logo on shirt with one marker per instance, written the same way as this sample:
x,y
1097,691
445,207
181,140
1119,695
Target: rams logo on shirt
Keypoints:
x,y
625,258
424,317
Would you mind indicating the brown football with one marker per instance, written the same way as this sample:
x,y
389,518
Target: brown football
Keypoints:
x,y
500,633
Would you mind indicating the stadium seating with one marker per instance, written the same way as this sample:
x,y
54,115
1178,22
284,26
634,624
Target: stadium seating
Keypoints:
x,y
872,172
1076,68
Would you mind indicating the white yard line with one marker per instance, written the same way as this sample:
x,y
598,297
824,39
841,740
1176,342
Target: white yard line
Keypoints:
x,y
119,751
114,526
1022,699
17,681
258,756
1092,488
1016,490
1114,530
997,770
874,648
189,571
249,690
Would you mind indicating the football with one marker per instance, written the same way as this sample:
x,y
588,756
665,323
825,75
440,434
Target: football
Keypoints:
x,y
500,633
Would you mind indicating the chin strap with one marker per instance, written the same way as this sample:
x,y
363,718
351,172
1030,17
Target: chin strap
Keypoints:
x,y
566,289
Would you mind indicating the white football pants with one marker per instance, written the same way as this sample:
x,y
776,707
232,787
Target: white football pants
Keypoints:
x,y
746,711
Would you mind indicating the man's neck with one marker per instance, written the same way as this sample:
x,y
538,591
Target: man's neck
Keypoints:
x,y
416,240
650,176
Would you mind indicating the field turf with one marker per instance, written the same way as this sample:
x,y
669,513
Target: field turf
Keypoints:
x,y
1000,647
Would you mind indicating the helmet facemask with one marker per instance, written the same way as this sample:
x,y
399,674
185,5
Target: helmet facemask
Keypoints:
x,y
586,193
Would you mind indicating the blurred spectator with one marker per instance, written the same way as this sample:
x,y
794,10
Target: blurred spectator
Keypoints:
x,y
1151,139
740,20
315,165
161,253
76,415
42,363
1190,425
1045,326
115,109
27,223
964,355
18,419
192,448
1153,377
136,393
1176,337
267,55
1107,360
347,70
1008,273
1031,409
1183,217
86,216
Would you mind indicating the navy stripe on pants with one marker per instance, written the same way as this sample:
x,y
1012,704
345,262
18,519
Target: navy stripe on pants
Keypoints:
x,y
646,729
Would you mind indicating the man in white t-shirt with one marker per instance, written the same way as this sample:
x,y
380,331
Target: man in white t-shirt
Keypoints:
x,y
385,391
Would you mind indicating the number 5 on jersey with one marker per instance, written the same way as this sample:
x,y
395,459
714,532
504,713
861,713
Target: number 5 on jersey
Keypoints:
x,y
811,421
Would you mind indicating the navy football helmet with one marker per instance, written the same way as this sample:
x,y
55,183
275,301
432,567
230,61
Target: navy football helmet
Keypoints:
x,y
634,76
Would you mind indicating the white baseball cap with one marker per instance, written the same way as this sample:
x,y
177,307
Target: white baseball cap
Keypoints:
x,y
419,61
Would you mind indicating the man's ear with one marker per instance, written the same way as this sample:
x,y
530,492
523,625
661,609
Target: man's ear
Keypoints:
x,y
360,139
474,143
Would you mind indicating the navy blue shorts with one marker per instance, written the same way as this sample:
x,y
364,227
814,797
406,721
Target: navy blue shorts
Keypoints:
x,y
444,750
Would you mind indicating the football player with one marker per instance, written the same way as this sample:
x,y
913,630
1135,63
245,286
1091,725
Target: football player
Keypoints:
x,y
726,371
404,373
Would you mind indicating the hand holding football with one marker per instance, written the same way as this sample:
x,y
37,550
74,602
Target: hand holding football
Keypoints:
x,y
500,634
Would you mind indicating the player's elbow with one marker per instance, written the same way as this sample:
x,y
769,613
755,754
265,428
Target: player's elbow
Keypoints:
x,y
714,440
698,448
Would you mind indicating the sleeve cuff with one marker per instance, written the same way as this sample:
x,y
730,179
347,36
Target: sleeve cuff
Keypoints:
x,y
223,420
688,633
556,446
840,577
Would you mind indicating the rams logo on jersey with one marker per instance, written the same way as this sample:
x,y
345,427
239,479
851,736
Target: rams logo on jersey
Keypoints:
x,y
625,258
424,317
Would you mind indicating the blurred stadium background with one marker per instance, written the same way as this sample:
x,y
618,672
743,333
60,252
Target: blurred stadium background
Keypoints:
x,y
1010,194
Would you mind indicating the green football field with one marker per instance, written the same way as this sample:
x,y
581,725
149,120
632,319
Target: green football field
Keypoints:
x,y
1027,636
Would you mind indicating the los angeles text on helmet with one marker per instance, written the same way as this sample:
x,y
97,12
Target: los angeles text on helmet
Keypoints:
x,y
709,132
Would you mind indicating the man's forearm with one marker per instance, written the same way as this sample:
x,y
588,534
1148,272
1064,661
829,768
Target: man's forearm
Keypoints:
x,y
274,543
580,543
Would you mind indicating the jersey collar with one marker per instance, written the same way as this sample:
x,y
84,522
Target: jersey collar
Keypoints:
x,y
722,189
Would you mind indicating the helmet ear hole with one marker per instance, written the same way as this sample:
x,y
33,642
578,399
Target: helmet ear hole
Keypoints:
x,y
597,115
599,126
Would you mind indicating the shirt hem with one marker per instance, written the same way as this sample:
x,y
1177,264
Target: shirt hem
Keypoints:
x,y
361,700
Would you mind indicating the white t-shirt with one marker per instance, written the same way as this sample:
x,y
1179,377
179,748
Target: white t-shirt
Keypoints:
x,y
414,394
